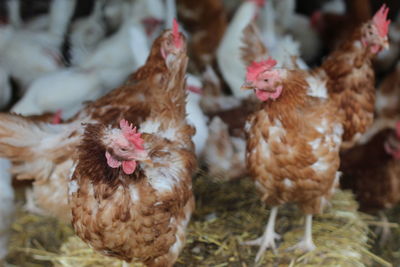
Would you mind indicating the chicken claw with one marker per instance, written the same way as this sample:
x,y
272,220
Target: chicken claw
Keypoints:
x,y
267,240
306,244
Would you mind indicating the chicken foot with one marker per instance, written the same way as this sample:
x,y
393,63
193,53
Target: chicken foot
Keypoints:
x,y
267,240
306,243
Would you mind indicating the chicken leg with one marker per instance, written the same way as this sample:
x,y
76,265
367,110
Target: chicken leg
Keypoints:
x,y
306,244
267,240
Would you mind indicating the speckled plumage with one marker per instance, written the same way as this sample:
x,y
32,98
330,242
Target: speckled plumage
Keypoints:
x,y
141,216
351,84
293,145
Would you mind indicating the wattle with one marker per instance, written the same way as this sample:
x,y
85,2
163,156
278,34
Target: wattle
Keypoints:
x,y
113,163
129,166
264,95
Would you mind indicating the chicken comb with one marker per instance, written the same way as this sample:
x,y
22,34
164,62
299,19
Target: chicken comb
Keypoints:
x,y
380,21
257,67
398,129
131,134
176,35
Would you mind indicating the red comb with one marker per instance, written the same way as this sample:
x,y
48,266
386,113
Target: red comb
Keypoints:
x,y
131,134
175,33
257,67
380,21
398,129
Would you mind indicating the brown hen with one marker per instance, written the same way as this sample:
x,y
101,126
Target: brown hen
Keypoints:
x,y
130,195
292,145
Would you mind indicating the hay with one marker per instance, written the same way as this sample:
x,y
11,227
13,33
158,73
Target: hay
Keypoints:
x,y
226,214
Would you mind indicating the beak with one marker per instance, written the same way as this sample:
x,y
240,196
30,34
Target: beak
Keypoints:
x,y
246,86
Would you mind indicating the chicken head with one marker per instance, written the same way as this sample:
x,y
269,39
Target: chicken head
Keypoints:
x,y
265,80
374,34
124,147
174,43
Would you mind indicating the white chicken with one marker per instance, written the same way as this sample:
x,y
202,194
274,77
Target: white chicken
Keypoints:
x,y
152,14
7,206
195,115
67,89
229,59
112,51
27,54
282,46
86,33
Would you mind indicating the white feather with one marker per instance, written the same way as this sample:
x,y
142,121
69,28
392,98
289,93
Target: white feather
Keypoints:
x,y
229,51
86,33
61,12
67,89
27,55
195,115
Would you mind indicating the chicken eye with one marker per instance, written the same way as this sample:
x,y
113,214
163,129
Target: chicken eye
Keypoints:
x,y
266,80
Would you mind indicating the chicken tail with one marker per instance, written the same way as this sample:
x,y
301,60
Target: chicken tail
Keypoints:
x,y
33,147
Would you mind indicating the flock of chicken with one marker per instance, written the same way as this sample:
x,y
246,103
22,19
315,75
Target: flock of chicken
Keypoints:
x,y
118,163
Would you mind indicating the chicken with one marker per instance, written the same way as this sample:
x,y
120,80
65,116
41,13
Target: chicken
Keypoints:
x,y
86,33
195,115
372,171
232,68
293,145
6,206
144,206
141,209
27,54
350,77
207,21
224,154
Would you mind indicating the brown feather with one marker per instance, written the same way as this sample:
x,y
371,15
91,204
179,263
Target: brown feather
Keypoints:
x,y
351,84
287,125
253,47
